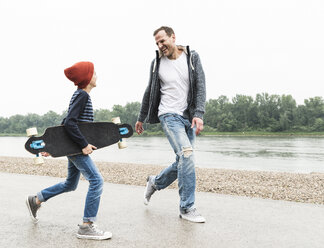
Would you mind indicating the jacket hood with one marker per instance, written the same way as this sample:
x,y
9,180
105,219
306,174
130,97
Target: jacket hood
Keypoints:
x,y
185,49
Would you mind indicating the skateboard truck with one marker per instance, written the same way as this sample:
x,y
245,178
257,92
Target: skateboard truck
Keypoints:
x,y
38,144
123,130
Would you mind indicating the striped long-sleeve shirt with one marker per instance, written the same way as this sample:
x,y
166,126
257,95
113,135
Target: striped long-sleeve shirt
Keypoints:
x,y
80,110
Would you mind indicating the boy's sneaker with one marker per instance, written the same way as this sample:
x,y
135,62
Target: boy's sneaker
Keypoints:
x,y
92,232
32,207
193,216
149,190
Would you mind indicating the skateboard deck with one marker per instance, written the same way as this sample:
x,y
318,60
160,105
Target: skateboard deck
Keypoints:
x,y
57,142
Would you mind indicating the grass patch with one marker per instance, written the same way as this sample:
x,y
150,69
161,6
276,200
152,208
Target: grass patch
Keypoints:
x,y
12,135
262,133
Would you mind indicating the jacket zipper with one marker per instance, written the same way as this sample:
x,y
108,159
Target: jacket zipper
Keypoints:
x,y
191,69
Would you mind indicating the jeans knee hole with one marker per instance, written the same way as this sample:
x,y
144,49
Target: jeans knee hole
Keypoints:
x,y
187,152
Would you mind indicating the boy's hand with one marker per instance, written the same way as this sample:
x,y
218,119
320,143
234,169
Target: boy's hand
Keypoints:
x,y
45,154
88,149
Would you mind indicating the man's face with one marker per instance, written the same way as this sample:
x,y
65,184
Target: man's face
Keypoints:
x,y
165,43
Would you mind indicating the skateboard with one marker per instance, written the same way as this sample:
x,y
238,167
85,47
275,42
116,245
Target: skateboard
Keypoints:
x,y
58,143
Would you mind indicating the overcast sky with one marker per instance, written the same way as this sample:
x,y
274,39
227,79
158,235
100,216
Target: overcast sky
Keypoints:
x,y
246,47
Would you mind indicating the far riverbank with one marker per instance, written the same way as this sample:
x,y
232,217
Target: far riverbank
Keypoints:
x,y
248,133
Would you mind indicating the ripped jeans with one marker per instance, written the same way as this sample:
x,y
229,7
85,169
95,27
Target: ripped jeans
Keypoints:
x,y
181,137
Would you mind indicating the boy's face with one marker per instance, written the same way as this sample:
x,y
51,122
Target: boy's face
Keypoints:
x,y
93,81
165,43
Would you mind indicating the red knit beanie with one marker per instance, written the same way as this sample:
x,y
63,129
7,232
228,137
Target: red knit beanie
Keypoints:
x,y
80,73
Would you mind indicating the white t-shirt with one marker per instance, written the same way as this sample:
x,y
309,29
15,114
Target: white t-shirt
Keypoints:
x,y
174,77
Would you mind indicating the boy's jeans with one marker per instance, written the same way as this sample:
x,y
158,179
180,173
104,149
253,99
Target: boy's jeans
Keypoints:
x,y
77,164
181,137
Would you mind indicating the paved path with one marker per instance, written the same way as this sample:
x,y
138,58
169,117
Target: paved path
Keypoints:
x,y
231,221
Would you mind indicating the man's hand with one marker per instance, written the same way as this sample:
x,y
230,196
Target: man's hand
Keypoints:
x,y
88,149
199,123
139,127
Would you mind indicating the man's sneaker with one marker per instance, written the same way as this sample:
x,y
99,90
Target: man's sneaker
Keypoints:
x,y
149,190
92,232
193,216
32,207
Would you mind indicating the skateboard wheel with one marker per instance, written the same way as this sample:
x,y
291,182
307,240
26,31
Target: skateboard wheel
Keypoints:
x,y
31,131
116,120
122,144
39,160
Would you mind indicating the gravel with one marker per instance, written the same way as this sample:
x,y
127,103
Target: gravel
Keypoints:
x,y
308,188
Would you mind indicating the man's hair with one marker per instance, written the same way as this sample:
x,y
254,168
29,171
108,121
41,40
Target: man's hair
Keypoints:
x,y
169,31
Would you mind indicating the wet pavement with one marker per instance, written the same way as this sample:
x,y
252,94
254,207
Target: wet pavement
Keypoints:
x,y
232,221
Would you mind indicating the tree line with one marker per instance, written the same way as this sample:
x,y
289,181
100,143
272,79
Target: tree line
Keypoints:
x,y
270,113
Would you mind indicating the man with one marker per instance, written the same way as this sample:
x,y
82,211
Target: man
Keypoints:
x,y
83,75
175,96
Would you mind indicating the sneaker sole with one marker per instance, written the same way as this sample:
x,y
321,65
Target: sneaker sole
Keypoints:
x,y
35,220
146,202
108,236
191,220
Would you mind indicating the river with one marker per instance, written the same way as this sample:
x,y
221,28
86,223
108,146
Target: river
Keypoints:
x,y
285,154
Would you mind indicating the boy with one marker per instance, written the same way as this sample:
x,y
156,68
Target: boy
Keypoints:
x,y
80,110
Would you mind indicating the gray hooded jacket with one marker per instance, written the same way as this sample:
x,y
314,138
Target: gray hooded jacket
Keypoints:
x,y
197,89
